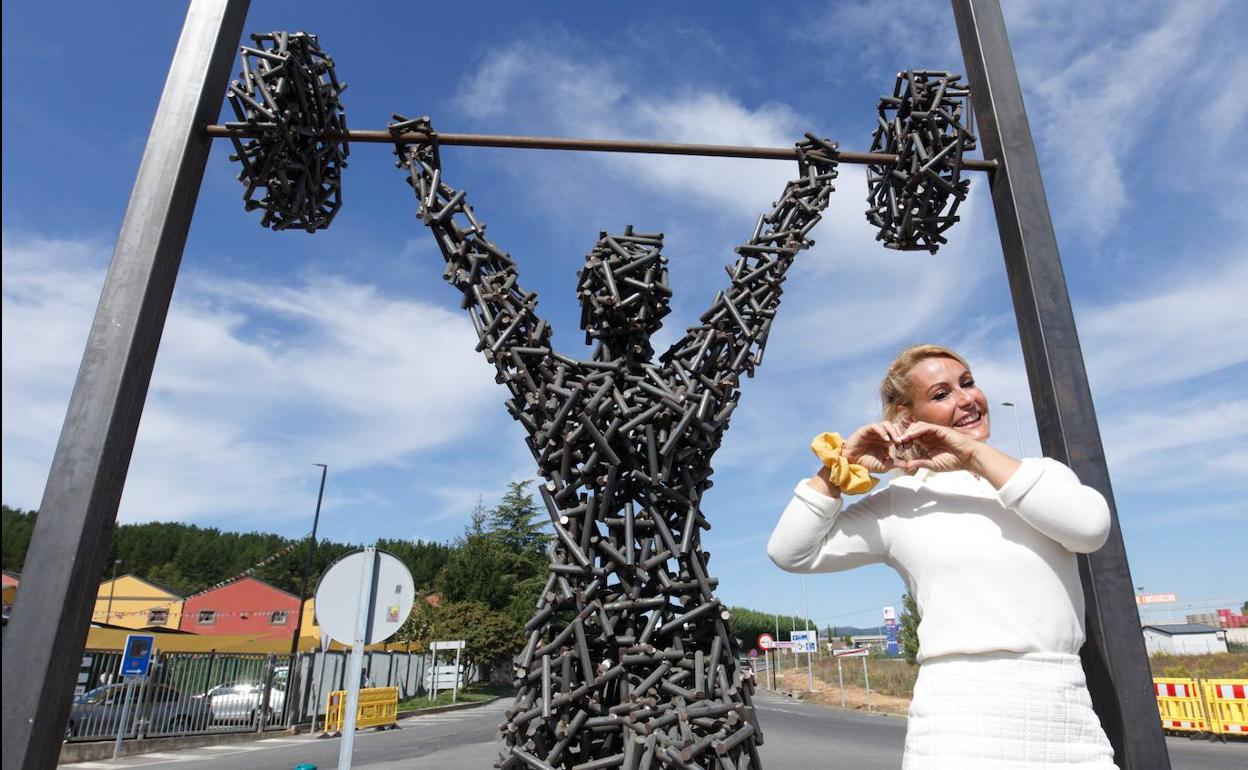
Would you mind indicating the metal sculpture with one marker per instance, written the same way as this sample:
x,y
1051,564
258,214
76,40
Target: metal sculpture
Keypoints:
x,y
287,100
629,660
922,125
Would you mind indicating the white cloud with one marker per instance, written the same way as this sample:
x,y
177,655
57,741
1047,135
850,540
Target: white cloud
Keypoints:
x,y
1100,104
538,88
253,382
1192,326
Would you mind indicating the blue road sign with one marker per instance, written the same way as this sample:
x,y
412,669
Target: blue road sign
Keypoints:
x,y
137,658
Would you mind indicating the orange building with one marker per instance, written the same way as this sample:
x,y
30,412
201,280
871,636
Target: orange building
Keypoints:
x,y
244,607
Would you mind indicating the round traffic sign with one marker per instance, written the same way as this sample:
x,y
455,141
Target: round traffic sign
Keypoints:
x,y
384,583
766,641
753,653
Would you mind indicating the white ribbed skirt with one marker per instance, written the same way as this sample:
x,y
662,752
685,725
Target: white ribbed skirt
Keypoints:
x,y
1022,711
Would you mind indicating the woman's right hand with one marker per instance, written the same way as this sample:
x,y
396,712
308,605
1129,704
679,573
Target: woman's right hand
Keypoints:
x,y
871,446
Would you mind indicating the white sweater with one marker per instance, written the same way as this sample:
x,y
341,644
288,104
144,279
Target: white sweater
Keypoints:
x,y
991,570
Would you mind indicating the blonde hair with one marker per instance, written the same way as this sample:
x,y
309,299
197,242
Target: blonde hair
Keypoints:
x,y
895,389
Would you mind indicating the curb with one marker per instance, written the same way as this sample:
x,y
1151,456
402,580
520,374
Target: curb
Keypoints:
x,y
90,751
451,707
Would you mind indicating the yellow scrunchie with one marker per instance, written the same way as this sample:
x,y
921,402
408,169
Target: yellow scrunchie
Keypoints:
x,y
850,477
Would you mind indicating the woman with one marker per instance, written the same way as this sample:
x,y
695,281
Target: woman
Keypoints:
x,y
986,544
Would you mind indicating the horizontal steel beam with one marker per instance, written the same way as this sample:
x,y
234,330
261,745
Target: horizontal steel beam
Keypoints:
x,y
597,145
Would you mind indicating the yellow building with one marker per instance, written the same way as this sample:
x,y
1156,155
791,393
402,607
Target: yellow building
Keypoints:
x,y
132,602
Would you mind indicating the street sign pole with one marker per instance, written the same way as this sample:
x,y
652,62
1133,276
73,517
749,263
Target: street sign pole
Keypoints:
x,y
364,618
455,686
810,665
866,679
840,681
125,715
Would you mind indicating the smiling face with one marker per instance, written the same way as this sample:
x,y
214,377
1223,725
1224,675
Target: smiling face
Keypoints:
x,y
943,392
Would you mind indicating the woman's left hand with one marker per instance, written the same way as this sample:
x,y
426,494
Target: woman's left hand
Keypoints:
x,y
946,448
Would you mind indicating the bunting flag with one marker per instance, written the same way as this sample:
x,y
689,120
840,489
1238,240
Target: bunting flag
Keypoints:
x,y
250,570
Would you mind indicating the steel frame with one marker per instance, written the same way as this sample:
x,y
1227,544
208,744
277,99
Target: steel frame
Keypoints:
x,y
1114,657
79,506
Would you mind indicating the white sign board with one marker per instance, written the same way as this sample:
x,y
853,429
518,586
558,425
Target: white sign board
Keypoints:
x,y
890,613
1155,598
338,597
449,677
805,641
861,652
455,645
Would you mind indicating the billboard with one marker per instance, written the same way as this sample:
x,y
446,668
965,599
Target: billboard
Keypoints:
x,y
890,631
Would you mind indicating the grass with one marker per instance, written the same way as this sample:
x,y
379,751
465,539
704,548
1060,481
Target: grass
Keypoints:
x,y
890,676
1231,665
472,694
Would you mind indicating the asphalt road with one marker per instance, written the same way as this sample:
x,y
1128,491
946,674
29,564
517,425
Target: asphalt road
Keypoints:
x,y
799,736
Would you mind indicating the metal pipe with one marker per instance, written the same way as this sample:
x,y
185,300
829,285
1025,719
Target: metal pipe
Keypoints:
x,y
593,145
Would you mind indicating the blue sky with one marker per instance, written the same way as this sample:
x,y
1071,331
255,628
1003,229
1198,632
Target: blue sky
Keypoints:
x,y
345,347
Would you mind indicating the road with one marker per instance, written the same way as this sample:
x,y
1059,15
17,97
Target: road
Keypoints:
x,y
799,736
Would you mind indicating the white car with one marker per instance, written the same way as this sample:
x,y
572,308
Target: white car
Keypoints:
x,y
243,701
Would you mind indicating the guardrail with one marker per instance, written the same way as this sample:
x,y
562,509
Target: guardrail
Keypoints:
x,y
1217,707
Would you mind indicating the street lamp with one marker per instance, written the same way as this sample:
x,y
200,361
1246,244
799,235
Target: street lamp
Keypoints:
x,y
112,589
1017,426
307,572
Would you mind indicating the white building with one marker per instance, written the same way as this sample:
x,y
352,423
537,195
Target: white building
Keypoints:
x,y
1184,639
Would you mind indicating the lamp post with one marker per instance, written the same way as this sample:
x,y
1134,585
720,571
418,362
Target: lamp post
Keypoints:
x,y
1018,426
307,571
775,653
112,588
292,682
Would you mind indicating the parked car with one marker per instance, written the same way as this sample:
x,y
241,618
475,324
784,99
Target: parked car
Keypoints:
x,y
745,667
243,701
154,709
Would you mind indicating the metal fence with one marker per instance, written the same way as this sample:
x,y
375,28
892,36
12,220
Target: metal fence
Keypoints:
x,y
190,693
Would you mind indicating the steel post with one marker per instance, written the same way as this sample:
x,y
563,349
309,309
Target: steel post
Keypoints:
x,y
77,514
1114,656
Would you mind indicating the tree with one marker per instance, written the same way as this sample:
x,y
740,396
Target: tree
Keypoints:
x,y
746,624
16,527
489,637
476,524
908,628
481,570
512,522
